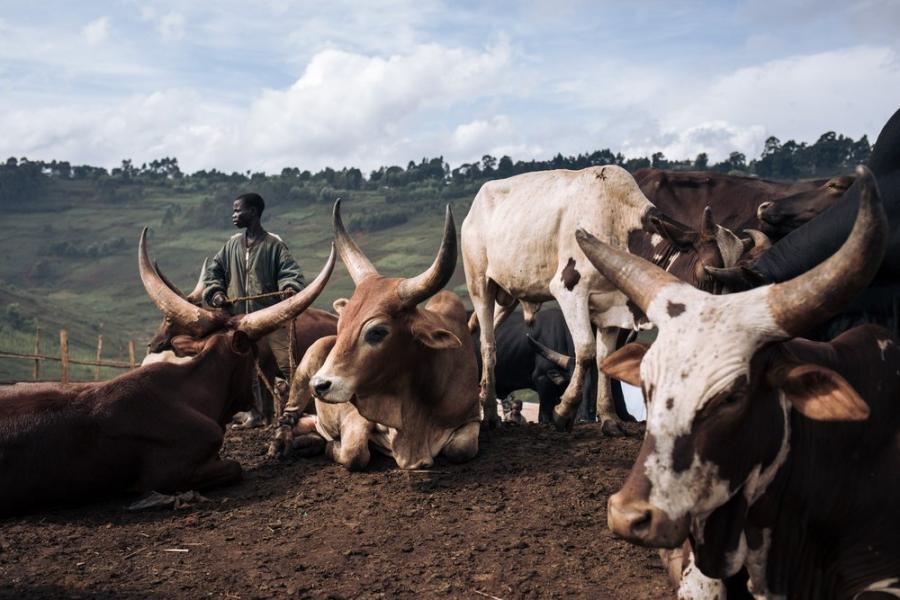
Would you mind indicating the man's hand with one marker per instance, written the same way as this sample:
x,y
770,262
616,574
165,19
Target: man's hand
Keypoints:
x,y
218,300
288,292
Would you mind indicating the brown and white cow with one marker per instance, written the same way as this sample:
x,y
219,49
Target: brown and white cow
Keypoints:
x,y
396,375
158,427
519,244
770,452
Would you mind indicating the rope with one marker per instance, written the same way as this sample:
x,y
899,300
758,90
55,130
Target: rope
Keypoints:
x,y
276,404
256,297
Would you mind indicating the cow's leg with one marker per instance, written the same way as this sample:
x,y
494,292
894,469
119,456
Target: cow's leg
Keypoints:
x,y
352,449
483,293
574,305
214,473
463,444
606,410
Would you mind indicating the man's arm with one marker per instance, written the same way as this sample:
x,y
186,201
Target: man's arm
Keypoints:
x,y
289,276
216,281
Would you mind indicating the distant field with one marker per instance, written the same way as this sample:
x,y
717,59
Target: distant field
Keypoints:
x,y
90,295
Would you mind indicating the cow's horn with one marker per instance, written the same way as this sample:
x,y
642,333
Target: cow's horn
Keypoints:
x,y
800,303
261,322
557,358
760,240
707,225
637,278
196,320
356,262
166,280
416,289
196,295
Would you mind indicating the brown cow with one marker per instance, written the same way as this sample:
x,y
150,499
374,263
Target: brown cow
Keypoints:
x,y
772,453
158,427
398,376
779,218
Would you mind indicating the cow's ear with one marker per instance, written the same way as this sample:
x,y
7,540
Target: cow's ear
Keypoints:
x,y
240,342
625,363
819,393
840,183
339,305
433,336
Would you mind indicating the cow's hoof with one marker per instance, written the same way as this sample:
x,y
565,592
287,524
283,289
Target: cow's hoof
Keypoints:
x,y
308,444
613,428
563,422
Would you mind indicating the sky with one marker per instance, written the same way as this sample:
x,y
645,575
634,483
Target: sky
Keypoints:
x,y
239,85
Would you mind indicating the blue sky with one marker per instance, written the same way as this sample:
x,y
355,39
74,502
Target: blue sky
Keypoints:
x,y
240,85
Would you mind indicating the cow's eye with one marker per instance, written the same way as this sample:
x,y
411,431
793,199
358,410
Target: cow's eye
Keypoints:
x,y
376,334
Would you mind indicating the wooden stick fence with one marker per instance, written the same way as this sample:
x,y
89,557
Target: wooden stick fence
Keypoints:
x,y
65,360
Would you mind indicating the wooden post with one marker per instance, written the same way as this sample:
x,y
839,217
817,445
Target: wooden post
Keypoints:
x,y
131,353
64,356
37,352
99,352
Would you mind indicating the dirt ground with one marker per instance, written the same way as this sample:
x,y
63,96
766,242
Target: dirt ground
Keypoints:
x,y
525,519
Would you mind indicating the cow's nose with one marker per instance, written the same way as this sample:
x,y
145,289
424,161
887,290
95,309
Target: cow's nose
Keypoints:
x,y
629,521
320,385
760,211
641,522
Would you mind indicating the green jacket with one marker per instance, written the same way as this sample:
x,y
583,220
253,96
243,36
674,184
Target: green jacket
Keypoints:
x,y
238,271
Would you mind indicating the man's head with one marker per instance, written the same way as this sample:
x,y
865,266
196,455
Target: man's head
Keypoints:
x,y
247,209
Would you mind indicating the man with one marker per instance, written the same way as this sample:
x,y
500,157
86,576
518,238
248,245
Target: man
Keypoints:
x,y
252,263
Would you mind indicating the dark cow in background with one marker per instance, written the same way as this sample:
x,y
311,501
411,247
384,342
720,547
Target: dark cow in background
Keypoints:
x,y
772,452
397,376
779,218
158,427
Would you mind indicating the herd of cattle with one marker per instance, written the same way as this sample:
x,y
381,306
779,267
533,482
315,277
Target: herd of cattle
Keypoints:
x,y
766,455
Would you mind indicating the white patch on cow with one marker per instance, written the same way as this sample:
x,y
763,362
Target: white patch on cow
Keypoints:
x,y
656,239
705,344
756,567
697,586
735,559
890,586
884,345
166,356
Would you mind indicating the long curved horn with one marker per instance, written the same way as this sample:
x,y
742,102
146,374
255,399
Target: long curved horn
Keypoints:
x,y
800,303
356,262
557,358
418,288
261,322
196,295
760,240
196,320
638,279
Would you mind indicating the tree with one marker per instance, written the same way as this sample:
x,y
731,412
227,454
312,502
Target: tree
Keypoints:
x,y
701,163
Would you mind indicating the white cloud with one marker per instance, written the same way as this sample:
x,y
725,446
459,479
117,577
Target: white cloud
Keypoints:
x,y
171,26
96,31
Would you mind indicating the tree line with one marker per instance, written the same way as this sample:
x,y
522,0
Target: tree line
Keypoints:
x,y
23,180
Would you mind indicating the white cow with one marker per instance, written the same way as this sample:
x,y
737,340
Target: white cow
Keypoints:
x,y
518,243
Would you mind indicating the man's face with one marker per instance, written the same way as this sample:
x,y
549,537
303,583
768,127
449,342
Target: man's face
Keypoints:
x,y
243,215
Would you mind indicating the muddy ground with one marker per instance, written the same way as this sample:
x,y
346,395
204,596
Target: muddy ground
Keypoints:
x,y
525,519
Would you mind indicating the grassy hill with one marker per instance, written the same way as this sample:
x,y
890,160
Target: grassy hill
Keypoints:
x,y
68,259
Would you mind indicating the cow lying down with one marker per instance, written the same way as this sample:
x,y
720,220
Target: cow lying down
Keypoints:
x,y
158,427
400,377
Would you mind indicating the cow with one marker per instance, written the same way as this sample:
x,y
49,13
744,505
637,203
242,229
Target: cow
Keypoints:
x,y
779,218
537,357
396,375
158,427
509,255
735,200
770,451
309,326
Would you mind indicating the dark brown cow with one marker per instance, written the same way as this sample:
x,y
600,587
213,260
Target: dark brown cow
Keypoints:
x,y
734,199
398,376
779,218
158,427
773,453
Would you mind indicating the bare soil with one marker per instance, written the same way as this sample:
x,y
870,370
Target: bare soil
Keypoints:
x,y
525,519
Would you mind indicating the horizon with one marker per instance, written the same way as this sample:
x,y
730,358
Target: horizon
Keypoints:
x,y
289,84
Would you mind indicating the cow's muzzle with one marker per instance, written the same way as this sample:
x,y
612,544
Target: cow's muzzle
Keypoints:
x,y
642,523
333,390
